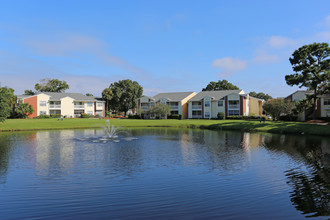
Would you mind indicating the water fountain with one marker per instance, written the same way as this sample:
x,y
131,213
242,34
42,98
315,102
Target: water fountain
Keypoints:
x,y
111,135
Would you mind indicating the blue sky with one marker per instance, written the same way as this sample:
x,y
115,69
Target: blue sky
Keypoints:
x,y
166,46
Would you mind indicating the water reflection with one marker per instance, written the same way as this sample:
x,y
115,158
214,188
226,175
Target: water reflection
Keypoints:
x,y
258,161
311,183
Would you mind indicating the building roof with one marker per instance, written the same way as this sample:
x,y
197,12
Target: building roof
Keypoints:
x,y
57,96
172,96
216,95
304,91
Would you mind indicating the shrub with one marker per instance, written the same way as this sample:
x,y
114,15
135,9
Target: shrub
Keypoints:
x,y
221,115
174,116
235,117
134,116
42,117
56,116
84,115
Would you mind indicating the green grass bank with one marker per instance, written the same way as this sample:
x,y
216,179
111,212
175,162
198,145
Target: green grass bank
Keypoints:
x,y
240,125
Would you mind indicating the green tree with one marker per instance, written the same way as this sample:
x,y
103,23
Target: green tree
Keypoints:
x,y
22,110
29,92
51,85
88,94
260,95
107,96
160,110
311,65
220,85
7,102
124,95
277,107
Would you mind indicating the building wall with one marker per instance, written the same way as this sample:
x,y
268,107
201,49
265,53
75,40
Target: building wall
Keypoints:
x,y
45,98
89,109
33,101
67,107
184,104
189,109
298,96
254,106
325,109
207,109
216,109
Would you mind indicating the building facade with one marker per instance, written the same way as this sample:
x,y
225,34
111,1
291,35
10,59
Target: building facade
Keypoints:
x,y
66,104
178,101
322,103
207,104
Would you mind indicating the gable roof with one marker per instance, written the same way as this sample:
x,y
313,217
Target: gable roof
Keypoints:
x,y
216,95
303,91
57,96
172,96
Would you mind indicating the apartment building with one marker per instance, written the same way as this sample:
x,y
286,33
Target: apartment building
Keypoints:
x,y
207,104
322,103
65,104
176,100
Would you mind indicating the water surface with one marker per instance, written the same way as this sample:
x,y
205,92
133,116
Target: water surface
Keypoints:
x,y
164,173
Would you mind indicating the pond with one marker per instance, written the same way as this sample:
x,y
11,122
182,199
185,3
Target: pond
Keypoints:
x,y
163,173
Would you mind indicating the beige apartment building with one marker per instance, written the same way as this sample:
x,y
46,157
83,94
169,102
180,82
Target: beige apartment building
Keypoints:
x,y
322,103
178,101
207,104
66,104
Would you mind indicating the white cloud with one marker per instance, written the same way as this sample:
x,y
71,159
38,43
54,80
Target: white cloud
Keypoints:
x,y
77,45
263,57
279,42
229,65
322,36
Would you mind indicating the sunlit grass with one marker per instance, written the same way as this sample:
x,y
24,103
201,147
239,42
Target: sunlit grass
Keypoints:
x,y
241,125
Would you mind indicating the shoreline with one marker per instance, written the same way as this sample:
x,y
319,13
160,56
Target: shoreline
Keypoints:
x,y
300,128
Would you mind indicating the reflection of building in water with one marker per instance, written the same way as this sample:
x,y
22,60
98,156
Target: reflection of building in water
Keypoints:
x,y
54,151
224,149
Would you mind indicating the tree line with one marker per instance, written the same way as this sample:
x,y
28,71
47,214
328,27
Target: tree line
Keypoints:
x,y
310,63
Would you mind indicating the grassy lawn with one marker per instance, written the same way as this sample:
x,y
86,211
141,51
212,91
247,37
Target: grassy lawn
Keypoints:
x,y
242,125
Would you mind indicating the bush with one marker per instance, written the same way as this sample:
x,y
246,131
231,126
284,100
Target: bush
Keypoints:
x,y
235,117
174,116
221,115
42,117
56,116
84,115
134,116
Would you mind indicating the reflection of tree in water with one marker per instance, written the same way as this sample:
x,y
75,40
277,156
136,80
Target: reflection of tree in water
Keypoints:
x,y
4,156
311,184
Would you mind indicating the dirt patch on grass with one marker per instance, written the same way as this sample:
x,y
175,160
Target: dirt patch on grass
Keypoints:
x,y
319,122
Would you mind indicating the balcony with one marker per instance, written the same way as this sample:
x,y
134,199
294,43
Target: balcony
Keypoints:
x,y
79,107
233,106
52,106
198,107
174,107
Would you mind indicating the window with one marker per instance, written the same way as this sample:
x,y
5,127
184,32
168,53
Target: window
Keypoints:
x,y
99,104
42,103
326,102
207,114
207,103
327,113
233,112
78,111
220,103
55,112
89,112
174,112
89,104
42,112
